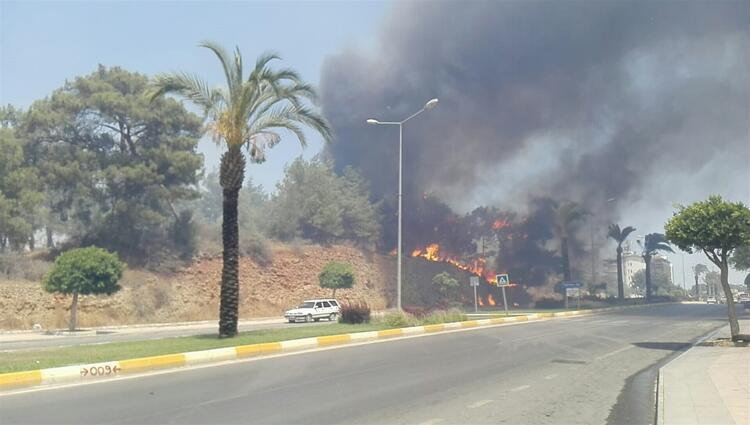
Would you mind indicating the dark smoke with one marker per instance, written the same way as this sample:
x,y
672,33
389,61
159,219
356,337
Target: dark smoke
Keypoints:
x,y
582,101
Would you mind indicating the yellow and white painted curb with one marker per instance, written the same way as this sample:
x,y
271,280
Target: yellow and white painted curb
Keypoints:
x,y
99,371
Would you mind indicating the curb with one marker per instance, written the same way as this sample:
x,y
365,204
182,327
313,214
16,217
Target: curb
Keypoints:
x,y
113,369
659,419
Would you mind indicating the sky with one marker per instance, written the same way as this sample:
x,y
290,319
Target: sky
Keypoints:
x,y
44,43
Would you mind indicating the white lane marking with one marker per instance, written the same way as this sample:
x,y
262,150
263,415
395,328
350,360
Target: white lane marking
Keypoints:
x,y
480,403
612,353
553,376
432,421
521,388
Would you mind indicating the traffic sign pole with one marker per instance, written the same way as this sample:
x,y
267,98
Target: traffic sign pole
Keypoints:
x,y
475,300
474,281
505,303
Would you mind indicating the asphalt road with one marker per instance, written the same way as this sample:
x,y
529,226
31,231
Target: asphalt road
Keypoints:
x,y
18,342
566,371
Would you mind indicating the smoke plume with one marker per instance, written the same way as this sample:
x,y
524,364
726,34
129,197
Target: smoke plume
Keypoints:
x,y
584,101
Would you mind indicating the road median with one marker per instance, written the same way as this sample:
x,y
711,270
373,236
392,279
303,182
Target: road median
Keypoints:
x,y
98,371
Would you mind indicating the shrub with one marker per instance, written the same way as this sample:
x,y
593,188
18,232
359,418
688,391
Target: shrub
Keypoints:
x,y
22,267
336,275
399,320
258,249
416,311
448,316
548,303
446,283
354,313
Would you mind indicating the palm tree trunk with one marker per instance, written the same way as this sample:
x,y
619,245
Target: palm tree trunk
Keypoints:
x,y
734,325
232,173
647,260
620,284
565,258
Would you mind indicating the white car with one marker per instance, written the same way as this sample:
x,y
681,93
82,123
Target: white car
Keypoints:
x,y
314,310
711,300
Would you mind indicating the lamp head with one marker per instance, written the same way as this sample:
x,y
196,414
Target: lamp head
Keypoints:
x,y
431,104
373,121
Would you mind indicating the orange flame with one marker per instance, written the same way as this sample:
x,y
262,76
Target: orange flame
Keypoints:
x,y
490,299
478,266
479,299
499,224
393,252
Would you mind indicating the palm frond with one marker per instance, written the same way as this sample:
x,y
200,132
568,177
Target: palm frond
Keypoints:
x,y
188,86
229,66
627,231
662,246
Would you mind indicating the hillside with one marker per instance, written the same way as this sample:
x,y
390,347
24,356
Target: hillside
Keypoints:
x,y
193,292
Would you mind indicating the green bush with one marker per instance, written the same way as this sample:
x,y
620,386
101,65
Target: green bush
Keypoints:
x,y
84,271
449,316
354,313
336,276
400,320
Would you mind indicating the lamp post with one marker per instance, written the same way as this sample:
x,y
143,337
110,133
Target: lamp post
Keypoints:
x,y
429,105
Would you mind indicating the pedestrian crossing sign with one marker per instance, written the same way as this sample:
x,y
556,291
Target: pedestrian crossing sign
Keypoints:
x,y
503,280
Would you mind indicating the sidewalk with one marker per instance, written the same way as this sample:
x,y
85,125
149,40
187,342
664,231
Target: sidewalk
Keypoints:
x,y
707,384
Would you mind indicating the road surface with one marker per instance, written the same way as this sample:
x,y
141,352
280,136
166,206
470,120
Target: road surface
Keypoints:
x,y
586,370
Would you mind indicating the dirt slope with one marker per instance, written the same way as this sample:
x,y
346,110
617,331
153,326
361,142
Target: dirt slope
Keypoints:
x,y
193,293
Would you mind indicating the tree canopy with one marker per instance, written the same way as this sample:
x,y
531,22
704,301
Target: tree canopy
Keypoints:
x,y
86,271
336,275
714,226
316,204
113,164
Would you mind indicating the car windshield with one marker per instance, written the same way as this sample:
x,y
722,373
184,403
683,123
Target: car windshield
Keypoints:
x,y
307,304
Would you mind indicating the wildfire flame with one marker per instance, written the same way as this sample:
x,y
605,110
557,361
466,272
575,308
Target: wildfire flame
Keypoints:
x,y
393,252
490,299
499,224
478,266
479,299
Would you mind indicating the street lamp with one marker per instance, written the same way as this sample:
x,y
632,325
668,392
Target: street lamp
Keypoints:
x,y
427,106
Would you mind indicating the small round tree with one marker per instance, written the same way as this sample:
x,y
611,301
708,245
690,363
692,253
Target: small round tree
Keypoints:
x,y
336,275
84,271
717,228
446,284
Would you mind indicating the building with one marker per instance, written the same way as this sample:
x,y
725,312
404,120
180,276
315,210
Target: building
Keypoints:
x,y
632,263
660,264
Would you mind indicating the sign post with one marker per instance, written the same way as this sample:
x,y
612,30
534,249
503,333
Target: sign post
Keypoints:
x,y
474,282
572,289
502,281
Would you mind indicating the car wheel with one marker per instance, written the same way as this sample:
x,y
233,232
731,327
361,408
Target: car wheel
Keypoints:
x,y
309,318
332,317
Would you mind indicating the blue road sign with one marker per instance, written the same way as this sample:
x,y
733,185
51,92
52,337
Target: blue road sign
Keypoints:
x,y
574,284
503,280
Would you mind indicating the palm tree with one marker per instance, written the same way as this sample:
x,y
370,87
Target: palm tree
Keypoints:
x,y
619,235
698,270
653,242
566,214
247,113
